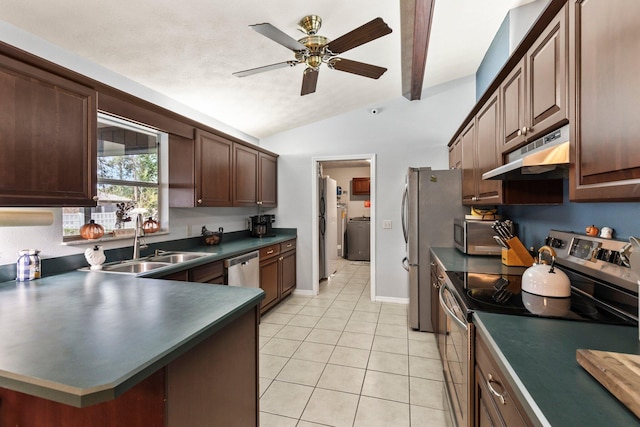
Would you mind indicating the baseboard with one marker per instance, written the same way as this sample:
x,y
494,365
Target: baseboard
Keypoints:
x,y
304,293
393,300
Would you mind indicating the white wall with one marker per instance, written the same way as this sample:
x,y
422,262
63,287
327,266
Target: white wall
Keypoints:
x,y
48,239
403,134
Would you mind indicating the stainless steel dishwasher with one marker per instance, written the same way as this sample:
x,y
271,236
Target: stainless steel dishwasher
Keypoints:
x,y
243,270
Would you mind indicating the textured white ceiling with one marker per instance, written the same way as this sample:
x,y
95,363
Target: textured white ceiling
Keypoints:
x,y
188,49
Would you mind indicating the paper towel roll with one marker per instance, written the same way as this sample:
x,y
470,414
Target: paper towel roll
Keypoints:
x,y
22,218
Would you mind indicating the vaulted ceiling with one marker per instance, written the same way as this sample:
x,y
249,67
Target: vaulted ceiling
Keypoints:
x,y
188,50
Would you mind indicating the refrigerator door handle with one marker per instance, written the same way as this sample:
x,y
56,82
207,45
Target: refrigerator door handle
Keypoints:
x,y
403,213
405,263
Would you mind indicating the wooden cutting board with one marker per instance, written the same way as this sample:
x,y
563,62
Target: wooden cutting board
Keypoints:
x,y
617,372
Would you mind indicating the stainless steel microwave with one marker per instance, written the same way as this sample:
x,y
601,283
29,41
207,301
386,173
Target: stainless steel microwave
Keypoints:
x,y
474,237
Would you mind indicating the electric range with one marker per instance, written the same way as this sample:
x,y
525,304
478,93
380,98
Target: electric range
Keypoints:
x,y
603,287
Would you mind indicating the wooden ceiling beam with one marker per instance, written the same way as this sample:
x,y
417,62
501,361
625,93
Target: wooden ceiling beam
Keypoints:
x,y
415,22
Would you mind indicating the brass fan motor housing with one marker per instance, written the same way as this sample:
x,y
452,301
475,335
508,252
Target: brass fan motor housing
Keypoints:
x,y
317,51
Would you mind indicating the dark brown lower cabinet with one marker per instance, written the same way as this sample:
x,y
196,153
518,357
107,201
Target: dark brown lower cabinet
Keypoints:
x,y
208,273
213,384
269,278
495,402
277,272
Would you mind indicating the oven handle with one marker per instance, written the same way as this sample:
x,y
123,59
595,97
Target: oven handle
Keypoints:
x,y
448,310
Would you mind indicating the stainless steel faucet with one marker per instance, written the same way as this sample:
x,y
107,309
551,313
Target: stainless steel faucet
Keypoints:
x,y
138,242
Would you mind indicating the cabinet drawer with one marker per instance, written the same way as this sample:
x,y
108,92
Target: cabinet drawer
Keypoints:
x,y
491,377
204,273
269,251
287,246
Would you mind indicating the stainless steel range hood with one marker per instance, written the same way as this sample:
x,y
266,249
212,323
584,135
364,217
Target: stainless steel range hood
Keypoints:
x,y
545,158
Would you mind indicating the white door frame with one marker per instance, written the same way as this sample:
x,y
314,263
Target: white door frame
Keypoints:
x,y
315,235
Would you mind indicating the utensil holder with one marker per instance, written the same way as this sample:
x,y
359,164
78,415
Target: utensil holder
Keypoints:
x,y
517,255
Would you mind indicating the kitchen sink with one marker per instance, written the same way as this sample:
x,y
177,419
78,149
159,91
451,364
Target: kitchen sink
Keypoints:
x,y
133,267
177,257
149,263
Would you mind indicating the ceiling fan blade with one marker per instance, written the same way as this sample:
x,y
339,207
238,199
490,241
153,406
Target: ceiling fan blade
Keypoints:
x,y
359,68
361,35
278,36
265,68
309,81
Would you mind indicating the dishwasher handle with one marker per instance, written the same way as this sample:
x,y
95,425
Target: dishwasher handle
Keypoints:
x,y
242,259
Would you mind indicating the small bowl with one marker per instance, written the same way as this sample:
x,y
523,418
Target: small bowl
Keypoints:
x,y
212,238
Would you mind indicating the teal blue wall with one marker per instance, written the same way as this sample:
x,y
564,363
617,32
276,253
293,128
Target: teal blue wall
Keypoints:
x,y
534,222
494,59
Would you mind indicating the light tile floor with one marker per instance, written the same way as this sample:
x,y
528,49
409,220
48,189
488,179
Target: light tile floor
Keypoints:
x,y
339,359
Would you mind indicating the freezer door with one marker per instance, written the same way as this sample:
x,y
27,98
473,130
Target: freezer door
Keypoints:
x,y
414,298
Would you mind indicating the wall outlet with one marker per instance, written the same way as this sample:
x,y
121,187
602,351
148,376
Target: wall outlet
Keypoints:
x,y
189,230
386,223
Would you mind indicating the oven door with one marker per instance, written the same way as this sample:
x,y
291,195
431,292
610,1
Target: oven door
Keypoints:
x,y
457,356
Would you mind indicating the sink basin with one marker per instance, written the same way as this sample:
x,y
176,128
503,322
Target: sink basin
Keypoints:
x,y
149,263
134,267
177,257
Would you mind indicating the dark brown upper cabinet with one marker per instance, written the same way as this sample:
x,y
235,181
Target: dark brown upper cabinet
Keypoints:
x,y
268,180
605,89
479,143
534,95
47,137
200,171
361,186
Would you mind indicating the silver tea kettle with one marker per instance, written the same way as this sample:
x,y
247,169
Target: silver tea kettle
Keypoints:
x,y
546,280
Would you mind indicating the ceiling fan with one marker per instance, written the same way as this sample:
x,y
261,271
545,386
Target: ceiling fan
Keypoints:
x,y
313,50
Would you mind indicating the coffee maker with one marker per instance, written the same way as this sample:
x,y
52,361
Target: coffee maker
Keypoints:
x,y
260,225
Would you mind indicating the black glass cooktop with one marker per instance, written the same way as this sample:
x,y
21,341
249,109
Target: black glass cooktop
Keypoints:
x,y
501,293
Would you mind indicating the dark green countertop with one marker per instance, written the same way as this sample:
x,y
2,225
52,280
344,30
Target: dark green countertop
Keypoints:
x,y
538,357
454,260
83,338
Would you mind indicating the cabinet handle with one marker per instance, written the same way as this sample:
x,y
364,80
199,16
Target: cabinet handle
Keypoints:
x,y
270,251
259,203
95,198
493,391
436,285
199,201
289,245
281,258
474,198
519,133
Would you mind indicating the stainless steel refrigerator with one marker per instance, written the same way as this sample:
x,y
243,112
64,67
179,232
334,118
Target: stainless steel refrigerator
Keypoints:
x,y
431,201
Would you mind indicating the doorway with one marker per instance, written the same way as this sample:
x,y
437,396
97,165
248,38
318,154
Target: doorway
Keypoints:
x,y
340,169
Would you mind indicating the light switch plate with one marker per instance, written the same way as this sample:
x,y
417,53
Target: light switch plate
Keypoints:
x,y
386,223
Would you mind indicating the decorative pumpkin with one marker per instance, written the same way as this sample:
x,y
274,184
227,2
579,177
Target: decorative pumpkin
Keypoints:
x,y
591,230
150,225
91,230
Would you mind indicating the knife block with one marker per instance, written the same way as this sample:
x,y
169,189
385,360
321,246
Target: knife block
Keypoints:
x,y
517,255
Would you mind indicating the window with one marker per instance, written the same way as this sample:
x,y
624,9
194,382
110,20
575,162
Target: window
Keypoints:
x,y
128,178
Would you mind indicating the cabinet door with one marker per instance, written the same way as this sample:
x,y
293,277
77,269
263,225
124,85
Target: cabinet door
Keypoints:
x,y
213,169
487,139
361,186
468,143
48,138
512,97
288,273
455,155
268,180
269,276
547,78
486,414
245,191
182,184
605,90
